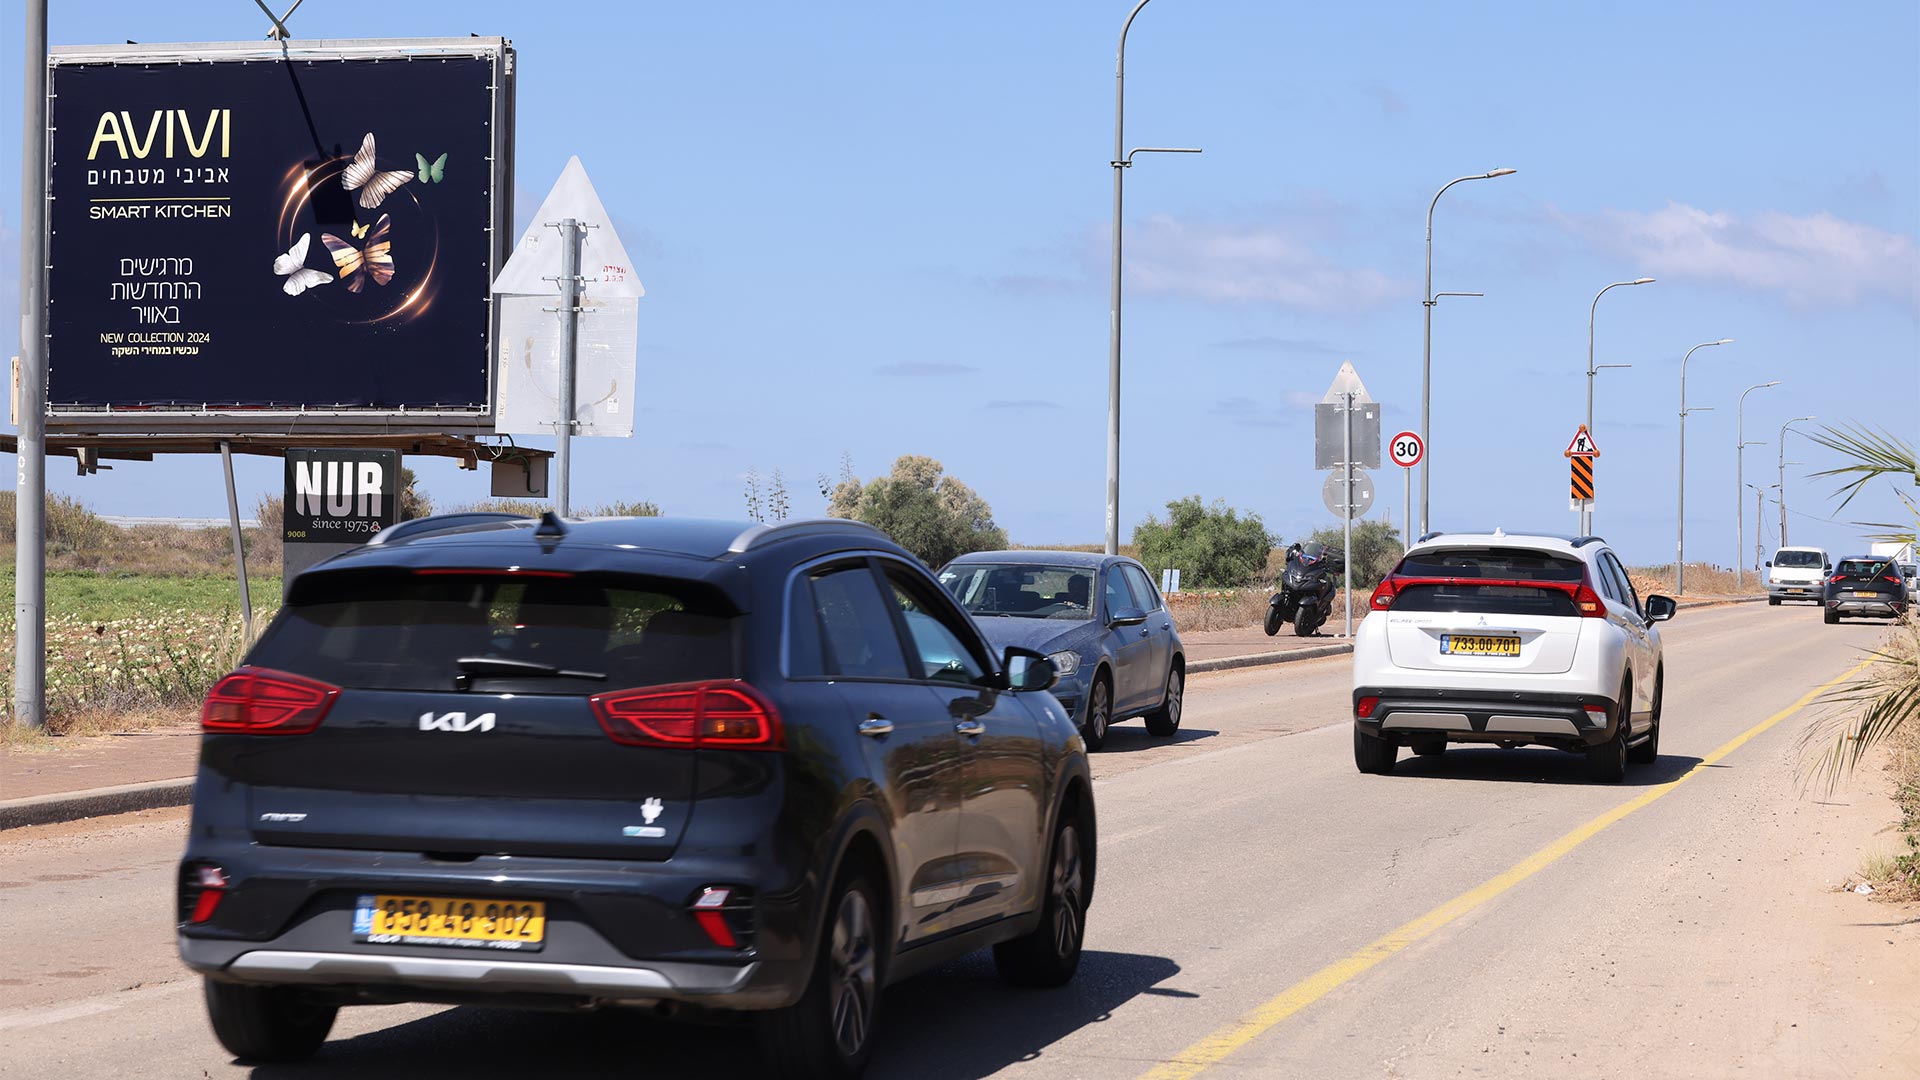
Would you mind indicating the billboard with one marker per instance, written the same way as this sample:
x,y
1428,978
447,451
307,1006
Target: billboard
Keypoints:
x,y
246,237
339,496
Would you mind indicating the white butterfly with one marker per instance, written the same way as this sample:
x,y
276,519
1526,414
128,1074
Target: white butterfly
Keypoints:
x,y
365,174
292,266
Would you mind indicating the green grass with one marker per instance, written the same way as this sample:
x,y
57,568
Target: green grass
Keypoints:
x,y
107,595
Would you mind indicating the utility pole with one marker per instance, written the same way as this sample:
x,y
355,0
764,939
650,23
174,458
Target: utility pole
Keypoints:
x,y
1346,512
30,484
1586,523
1739,478
1782,485
1680,516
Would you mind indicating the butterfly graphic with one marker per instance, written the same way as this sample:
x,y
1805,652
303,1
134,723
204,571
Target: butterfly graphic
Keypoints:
x,y
292,266
433,173
375,260
360,231
365,174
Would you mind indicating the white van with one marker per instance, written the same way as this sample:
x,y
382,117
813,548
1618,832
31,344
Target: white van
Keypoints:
x,y
1797,573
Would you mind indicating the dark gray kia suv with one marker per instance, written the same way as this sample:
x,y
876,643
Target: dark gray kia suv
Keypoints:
x,y
627,762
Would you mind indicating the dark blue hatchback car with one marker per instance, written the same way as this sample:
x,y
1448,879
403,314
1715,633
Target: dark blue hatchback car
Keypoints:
x,y
1097,617
643,762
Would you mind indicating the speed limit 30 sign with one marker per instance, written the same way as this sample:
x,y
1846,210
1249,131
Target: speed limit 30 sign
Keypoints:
x,y
1408,449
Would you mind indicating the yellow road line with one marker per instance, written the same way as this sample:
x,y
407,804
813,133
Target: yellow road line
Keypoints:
x,y
1214,1048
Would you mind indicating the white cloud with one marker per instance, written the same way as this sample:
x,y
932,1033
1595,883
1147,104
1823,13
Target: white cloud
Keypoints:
x,y
1247,263
1808,260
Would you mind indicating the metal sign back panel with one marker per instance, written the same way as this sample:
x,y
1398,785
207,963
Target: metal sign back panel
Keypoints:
x,y
1330,432
311,234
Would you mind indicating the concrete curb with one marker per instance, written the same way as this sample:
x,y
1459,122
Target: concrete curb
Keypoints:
x,y
73,805
1228,663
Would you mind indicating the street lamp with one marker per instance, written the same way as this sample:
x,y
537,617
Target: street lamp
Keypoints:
x,y
1680,539
1586,525
1426,350
1739,480
1120,163
1782,485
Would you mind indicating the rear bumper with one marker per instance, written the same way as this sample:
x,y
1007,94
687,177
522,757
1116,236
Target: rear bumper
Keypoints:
x,y
1554,719
616,932
1885,607
466,979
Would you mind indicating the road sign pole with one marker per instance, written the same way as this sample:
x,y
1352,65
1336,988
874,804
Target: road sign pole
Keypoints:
x,y
569,361
1346,517
1406,523
30,484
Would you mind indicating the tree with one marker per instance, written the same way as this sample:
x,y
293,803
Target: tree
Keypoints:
x,y
414,500
1887,691
932,515
1376,549
1211,545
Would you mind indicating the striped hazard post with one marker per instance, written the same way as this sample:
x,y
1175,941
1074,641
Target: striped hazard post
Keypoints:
x,y
1582,478
1581,452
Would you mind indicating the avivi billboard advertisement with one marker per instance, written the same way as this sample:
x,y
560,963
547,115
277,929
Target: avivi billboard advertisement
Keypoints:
x,y
250,238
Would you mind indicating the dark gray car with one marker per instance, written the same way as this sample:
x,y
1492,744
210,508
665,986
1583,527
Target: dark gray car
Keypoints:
x,y
1097,617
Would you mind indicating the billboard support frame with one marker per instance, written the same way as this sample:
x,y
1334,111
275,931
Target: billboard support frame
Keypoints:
x,y
213,420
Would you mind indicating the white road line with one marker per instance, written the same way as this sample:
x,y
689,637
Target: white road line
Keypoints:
x,y
22,1019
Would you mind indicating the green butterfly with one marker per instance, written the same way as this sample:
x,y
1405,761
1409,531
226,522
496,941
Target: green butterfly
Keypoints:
x,y
433,173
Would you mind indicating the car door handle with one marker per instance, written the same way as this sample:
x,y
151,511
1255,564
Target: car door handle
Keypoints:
x,y
876,725
970,728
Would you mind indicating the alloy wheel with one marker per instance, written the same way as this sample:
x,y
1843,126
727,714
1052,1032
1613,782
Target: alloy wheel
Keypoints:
x,y
1176,694
852,972
1066,888
1099,712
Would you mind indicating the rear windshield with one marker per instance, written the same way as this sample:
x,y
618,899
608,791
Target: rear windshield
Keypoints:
x,y
1861,567
410,632
1799,559
1486,600
1023,590
1510,564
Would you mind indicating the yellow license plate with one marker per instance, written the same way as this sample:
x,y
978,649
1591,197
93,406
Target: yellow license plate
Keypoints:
x,y
1464,645
386,919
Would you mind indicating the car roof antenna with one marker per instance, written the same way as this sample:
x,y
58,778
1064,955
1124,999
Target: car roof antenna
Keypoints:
x,y
550,527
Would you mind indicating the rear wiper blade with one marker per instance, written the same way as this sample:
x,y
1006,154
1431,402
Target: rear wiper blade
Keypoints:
x,y
522,669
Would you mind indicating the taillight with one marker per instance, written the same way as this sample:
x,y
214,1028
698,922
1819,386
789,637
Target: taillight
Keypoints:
x,y
1890,577
260,701
1383,595
1589,602
202,887
722,714
1365,706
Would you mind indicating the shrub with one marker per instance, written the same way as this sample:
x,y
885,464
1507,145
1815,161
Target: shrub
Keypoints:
x,y
934,516
1213,546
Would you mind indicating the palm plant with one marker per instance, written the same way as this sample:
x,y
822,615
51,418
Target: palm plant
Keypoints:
x,y
1886,692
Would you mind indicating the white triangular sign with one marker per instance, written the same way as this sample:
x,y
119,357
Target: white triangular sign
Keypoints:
x,y
1582,444
535,263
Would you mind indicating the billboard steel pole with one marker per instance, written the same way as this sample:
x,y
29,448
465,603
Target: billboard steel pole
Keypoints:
x,y
569,362
239,547
30,482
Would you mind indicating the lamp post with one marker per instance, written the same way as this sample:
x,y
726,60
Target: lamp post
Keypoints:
x,y
1586,525
1680,537
1782,485
1120,163
1428,299
1739,479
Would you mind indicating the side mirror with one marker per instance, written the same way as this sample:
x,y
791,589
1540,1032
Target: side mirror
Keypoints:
x,y
1829,567
1127,616
1661,608
1029,670
1769,562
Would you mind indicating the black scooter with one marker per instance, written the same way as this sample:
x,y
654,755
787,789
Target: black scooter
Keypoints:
x,y
1305,598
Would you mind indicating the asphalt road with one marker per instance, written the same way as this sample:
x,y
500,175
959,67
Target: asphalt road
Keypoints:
x,y
1263,911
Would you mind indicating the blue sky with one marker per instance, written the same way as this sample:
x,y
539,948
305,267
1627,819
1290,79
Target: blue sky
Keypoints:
x,y
876,229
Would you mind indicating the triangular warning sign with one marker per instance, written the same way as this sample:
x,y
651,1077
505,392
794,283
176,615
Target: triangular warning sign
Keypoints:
x,y
1582,444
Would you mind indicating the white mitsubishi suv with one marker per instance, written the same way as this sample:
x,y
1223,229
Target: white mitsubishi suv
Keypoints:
x,y
1509,640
